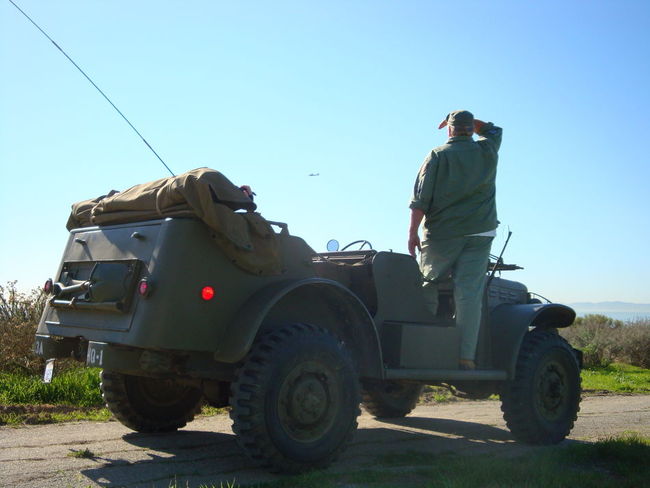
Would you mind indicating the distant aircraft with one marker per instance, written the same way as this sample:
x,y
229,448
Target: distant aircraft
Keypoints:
x,y
314,174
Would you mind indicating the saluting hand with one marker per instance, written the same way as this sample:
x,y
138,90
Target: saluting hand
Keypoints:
x,y
247,191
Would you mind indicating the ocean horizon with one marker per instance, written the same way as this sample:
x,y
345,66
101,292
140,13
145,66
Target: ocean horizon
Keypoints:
x,y
615,314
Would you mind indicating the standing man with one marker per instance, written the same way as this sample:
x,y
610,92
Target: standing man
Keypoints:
x,y
455,195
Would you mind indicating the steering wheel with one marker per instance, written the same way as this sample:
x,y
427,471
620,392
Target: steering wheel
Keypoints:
x,y
363,242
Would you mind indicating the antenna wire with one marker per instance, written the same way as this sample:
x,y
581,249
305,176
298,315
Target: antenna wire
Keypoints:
x,y
93,83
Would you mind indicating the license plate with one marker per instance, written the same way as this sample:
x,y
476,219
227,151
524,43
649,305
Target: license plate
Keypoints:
x,y
39,347
49,371
95,356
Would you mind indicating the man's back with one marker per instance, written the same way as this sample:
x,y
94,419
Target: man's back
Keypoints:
x,y
456,185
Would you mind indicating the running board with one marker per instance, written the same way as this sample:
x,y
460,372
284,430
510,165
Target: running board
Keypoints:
x,y
446,374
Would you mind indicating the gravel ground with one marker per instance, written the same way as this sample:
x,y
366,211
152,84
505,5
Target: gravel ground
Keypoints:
x,y
206,452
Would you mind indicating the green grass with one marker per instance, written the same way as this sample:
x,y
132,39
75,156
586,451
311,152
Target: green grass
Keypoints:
x,y
16,415
78,387
619,462
81,453
437,394
617,378
72,395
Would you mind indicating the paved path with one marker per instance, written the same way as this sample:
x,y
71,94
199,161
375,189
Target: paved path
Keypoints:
x,y
206,452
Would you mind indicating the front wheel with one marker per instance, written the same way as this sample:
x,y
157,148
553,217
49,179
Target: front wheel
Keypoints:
x,y
542,402
295,401
149,404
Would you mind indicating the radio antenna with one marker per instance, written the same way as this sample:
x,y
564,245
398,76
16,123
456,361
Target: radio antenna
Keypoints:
x,y
93,84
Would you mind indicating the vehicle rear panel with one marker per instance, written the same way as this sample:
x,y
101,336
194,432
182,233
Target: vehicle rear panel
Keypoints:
x,y
177,258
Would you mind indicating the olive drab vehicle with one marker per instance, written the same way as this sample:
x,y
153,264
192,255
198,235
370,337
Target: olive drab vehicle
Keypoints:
x,y
177,310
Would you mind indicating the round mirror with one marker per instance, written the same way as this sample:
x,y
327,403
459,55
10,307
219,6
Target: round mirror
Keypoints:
x,y
332,245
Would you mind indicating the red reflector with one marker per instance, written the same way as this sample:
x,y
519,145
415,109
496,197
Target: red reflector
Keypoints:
x,y
143,288
207,293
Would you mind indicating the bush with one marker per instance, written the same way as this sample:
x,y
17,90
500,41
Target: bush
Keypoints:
x,y
19,316
604,340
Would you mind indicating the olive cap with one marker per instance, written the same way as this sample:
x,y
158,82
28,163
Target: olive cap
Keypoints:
x,y
459,118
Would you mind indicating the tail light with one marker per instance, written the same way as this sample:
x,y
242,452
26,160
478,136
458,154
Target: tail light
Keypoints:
x,y
47,287
207,293
144,288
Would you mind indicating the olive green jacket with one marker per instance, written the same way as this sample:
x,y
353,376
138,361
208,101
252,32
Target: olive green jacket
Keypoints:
x,y
455,187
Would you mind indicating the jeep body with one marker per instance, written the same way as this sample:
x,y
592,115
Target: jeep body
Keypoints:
x,y
158,299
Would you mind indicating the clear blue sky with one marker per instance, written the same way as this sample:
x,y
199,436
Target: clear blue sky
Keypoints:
x,y
268,92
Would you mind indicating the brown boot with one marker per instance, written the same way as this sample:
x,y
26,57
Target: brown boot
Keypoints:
x,y
466,364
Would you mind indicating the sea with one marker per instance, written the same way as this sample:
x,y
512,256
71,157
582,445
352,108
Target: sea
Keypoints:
x,y
616,314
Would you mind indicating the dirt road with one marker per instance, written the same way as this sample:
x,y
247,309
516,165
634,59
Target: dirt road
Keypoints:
x,y
206,452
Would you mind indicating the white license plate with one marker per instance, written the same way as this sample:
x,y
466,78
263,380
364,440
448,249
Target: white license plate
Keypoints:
x,y
95,355
49,371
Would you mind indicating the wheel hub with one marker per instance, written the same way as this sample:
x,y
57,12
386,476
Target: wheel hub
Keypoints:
x,y
552,390
306,402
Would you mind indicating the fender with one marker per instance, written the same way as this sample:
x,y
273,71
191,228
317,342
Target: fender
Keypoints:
x,y
304,301
509,323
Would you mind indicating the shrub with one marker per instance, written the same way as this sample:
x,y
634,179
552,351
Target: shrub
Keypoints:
x,y
19,316
635,341
604,340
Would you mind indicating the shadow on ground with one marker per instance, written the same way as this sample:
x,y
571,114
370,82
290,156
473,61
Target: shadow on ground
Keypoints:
x,y
195,458
183,456
469,430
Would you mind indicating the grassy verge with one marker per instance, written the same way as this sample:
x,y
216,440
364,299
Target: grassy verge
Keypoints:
x,y
616,378
79,387
48,414
619,462
74,394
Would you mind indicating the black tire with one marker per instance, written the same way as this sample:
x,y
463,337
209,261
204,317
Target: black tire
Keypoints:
x,y
390,399
149,404
295,400
541,404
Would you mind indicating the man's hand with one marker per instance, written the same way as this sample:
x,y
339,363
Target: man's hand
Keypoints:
x,y
443,124
478,125
414,239
247,191
414,243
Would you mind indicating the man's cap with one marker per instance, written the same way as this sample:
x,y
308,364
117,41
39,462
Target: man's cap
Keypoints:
x,y
459,118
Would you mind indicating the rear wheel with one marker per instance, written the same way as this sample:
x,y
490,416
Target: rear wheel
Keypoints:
x,y
541,404
150,404
295,401
390,399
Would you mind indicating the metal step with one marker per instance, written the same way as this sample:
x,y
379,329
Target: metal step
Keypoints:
x,y
446,374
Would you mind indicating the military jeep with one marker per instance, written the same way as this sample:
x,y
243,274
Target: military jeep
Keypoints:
x,y
174,319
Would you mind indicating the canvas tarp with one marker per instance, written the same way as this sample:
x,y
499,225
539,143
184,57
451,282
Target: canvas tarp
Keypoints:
x,y
245,237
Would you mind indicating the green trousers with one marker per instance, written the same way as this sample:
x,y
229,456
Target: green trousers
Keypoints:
x,y
466,258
